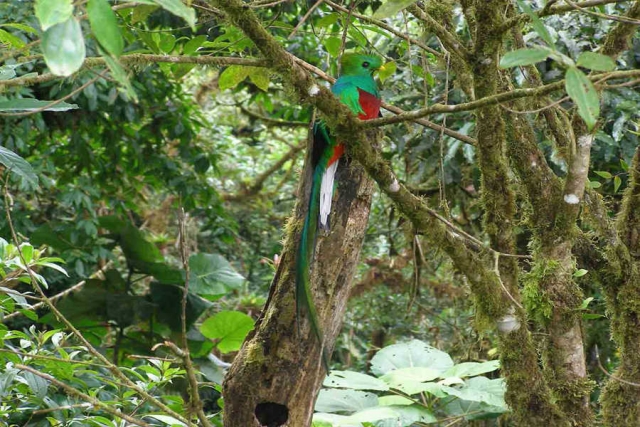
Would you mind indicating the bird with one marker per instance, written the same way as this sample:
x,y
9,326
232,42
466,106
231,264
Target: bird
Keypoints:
x,y
357,89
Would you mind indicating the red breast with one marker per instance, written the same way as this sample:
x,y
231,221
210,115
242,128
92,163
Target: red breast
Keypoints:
x,y
370,105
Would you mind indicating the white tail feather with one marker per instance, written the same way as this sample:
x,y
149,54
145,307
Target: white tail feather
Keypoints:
x,y
326,194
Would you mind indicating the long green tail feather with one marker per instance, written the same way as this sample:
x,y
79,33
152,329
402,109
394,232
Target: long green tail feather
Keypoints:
x,y
305,255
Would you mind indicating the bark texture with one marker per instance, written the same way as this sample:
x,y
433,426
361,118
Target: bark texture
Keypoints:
x,y
277,372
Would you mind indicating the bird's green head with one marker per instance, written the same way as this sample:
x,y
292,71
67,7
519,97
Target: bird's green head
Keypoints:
x,y
360,64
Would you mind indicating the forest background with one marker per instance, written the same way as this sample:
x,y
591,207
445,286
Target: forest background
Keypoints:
x,y
154,180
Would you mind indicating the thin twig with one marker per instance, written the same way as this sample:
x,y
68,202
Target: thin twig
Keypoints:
x,y
496,271
194,396
304,18
613,377
623,19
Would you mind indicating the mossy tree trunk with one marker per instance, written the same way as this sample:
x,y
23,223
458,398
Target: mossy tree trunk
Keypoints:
x,y
278,372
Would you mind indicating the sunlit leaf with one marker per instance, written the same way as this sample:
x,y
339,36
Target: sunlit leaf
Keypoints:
x,y
391,7
596,61
52,12
229,327
104,26
520,57
63,47
584,94
30,104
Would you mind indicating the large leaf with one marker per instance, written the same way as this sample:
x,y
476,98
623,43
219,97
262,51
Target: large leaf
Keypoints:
x,y
471,369
232,76
344,401
63,47
52,12
409,380
596,61
104,25
520,57
212,275
18,165
391,7
30,104
229,327
408,355
584,94
354,380
481,389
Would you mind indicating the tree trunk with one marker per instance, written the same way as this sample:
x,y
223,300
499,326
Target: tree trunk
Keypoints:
x,y
277,374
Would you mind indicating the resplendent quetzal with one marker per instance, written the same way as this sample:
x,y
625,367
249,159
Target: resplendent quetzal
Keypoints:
x,y
357,89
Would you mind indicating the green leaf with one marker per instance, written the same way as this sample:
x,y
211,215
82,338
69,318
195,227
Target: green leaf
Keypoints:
x,y
327,20
594,184
104,26
391,7
387,70
141,12
585,303
192,46
38,385
471,369
332,44
212,275
481,389
259,76
120,75
595,61
167,42
538,25
11,40
584,94
394,400
168,420
624,165
30,104
344,401
63,48
52,12
407,355
354,380
232,76
520,57
230,327
580,272
617,181
409,380
603,174
179,9
18,165
21,27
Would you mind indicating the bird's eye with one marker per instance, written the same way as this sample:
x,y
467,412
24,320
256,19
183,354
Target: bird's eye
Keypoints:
x,y
365,64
